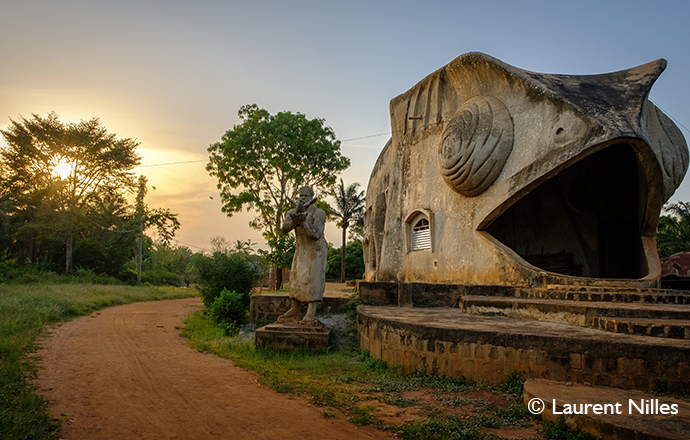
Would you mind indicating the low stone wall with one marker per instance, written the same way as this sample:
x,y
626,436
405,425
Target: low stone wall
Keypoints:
x,y
268,307
424,294
486,349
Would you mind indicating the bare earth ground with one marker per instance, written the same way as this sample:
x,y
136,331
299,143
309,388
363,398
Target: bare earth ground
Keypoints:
x,y
126,373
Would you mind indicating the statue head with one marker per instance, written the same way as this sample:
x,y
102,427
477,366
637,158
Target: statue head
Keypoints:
x,y
305,195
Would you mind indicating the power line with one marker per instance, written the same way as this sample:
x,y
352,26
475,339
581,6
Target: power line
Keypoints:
x,y
171,163
376,135
667,114
366,137
187,244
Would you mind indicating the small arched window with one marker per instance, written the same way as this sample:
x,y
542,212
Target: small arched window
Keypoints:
x,y
421,235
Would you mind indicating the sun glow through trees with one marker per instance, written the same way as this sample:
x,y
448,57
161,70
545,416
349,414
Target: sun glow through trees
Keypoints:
x,y
63,169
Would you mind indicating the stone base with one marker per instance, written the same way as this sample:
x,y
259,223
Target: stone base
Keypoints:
x,y
267,307
293,336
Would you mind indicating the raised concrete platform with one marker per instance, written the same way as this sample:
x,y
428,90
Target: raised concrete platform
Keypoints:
x,y
293,336
450,342
620,414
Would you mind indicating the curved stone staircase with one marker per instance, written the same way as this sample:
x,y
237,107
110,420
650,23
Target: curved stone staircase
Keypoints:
x,y
597,341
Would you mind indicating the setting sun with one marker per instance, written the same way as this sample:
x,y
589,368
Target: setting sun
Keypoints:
x,y
62,169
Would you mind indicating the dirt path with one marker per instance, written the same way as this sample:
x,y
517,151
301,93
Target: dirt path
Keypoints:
x,y
126,373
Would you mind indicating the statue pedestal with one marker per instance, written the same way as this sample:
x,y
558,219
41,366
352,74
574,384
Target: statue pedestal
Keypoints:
x,y
293,336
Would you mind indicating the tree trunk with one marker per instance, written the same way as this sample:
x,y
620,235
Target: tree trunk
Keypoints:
x,y
279,278
342,258
140,245
68,250
34,249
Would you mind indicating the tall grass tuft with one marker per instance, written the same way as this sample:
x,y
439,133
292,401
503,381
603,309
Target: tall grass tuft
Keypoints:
x,y
25,309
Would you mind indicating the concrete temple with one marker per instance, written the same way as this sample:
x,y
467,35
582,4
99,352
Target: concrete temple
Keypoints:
x,y
495,175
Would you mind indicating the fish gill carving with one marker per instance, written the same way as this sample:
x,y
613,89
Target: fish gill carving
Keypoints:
x,y
475,145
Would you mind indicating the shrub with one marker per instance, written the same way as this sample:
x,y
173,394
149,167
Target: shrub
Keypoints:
x,y
230,310
237,272
514,383
161,278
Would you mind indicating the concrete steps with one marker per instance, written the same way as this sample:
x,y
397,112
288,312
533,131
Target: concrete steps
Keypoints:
x,y
583,345
645,319
660,328
609,294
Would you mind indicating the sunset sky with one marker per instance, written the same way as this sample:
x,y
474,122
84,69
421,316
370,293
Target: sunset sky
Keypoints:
x,y
172,74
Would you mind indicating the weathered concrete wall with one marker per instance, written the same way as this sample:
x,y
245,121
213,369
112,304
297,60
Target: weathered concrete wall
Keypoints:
x,y
423,294
450,136
486,349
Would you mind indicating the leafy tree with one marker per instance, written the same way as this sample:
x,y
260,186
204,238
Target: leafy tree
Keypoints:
x,y
221,244
57,172
106,238
169,258
267,158
349,207
673,231
163,220
354,261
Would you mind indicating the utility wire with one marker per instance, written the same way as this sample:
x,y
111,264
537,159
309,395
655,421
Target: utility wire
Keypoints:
x,y
382,134
171,163
667,114
365,137
187,244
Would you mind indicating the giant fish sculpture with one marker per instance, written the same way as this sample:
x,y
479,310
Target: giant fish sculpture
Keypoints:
x,y
498,175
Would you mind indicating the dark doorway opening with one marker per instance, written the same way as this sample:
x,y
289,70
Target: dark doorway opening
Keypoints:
x,y
584,221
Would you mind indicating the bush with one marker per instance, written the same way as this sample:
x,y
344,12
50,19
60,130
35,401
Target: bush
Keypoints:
x,y
514,384
161,278
230,308
237,272
39,273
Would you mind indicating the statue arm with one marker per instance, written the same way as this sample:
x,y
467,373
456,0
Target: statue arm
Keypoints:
x,y
288,224
315,226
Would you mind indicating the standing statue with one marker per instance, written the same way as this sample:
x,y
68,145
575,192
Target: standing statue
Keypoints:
x,y
308,272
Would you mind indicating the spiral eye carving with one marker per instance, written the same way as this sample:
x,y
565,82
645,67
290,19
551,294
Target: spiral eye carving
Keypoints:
x,y
475,145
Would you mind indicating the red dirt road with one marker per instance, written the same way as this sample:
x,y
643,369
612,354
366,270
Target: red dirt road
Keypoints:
x,y
126,373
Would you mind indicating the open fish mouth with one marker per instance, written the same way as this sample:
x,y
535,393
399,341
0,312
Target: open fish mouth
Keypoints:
x,y
586,220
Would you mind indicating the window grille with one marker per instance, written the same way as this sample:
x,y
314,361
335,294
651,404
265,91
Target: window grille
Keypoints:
x,y
421,235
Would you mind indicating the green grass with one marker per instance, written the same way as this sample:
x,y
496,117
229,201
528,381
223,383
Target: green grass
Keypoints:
x,y
321,377
450,427
349,382
560,431
25,309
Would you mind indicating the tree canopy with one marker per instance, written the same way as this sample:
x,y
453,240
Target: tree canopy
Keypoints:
x,y
267,158
62,196
354,261
59,169
673,231
349,207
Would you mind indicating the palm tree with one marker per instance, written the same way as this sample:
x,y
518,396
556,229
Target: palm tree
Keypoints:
x,y
673,231
349,206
